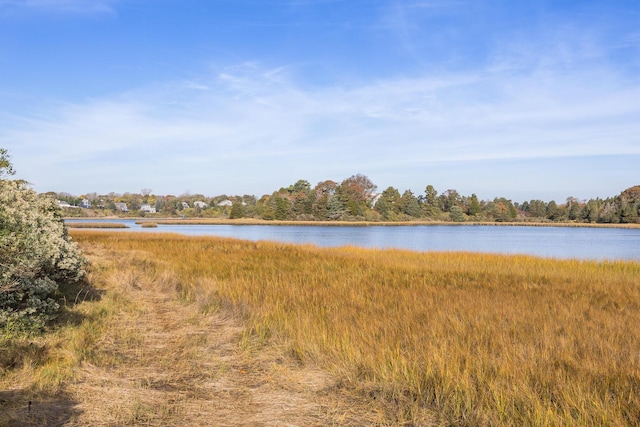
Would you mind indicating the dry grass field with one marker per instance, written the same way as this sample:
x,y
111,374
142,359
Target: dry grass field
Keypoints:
x,y
199,329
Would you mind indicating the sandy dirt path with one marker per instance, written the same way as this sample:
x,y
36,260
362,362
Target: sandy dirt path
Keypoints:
x,y
174,366
162,362
158,361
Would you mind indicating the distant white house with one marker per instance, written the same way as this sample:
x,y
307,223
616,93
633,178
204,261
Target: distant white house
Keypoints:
x,y
375,199
122,207
145,207
63,204
199,204
185,205
226,202
85,203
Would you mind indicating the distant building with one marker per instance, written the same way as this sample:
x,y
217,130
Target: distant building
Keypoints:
x,y
185,205
63,204
226,202
85,203
199,204
145,207
122,207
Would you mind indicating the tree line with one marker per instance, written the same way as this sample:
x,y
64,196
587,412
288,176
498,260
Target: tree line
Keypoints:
x,y
356,199
37,256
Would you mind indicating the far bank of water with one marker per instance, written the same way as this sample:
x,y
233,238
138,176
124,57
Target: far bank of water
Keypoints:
x,y
556,242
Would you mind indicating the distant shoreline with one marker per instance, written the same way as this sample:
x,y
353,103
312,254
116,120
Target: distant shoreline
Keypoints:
x,y
251,221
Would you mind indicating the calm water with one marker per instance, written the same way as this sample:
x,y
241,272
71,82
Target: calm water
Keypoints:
x,y
557,242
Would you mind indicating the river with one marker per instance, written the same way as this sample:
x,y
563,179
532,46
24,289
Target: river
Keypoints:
x,y
556,242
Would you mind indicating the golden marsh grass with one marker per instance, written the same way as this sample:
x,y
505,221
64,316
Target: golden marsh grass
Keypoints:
x,y
96,224
453,338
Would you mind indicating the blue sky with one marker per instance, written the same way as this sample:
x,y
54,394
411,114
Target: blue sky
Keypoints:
x,y
517,99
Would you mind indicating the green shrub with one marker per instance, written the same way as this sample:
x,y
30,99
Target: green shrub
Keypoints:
x,y
36,254
456,214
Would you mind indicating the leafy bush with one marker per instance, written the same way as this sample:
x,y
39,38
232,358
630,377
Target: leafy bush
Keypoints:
x,y
36,253
456,214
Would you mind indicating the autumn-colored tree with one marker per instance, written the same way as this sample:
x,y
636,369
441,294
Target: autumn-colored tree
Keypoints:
x,y
631,194
356,194
504,210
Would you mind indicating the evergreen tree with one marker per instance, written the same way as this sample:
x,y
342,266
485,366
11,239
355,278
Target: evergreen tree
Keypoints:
x,y
456,214
335,208
474,206
237,210
388,205
431,206
409,205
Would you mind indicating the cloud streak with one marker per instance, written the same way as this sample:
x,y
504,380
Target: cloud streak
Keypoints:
x,y
246,118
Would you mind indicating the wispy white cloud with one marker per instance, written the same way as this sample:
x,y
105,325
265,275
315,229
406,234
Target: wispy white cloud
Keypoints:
x,y
263,129
394,89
